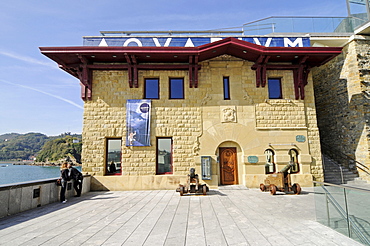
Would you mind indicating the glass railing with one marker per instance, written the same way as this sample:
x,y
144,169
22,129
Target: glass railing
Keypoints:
x,y
344,209
303,25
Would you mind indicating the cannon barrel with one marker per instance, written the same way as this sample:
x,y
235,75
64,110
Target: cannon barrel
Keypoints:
x,y
287,167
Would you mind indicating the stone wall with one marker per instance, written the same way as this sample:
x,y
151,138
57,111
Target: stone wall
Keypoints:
x,y
342,100
200,124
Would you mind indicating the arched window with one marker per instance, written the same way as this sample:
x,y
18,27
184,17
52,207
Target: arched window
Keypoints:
x,y
293,154
270,163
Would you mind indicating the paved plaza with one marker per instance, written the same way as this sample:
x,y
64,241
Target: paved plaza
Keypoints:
x,y
231,215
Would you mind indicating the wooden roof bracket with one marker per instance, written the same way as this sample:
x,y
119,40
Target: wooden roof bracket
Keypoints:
x,y
263,72
300,81
135,72
85,76
193,71
130,71
195,68
300,78
258,67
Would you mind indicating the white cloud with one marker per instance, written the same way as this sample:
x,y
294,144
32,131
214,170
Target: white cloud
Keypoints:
x,y
27,59
46,93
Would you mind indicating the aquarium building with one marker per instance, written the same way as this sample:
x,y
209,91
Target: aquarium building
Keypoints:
x,y
233,105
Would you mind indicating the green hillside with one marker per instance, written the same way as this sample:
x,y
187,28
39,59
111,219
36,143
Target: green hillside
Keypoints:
x,y
17,147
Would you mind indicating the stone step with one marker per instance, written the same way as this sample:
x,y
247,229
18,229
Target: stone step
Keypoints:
x,y
333,173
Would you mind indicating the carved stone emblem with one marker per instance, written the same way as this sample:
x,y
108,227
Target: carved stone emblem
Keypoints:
x,y
228,114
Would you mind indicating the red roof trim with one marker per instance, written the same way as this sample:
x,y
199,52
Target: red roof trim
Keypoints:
x,y
79,61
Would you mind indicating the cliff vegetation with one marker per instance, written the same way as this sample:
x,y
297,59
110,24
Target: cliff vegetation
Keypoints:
x,y
40,148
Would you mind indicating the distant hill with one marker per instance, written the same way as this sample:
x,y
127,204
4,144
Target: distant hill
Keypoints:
x,y
8,136
17,147
61,148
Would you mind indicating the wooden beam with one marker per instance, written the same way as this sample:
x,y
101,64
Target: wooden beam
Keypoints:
x,y
258,65
140,66
190,71
295,81
129,72
195,69
135,72
264,68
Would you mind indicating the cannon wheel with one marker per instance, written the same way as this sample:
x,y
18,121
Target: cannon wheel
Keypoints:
x,y
182,190
272,189
296,189
204,189
262,187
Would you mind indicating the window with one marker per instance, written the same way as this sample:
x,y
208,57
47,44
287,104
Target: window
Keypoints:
x,y
293,154
274,86
176,88
151,89
113,156
164,155
226,88
270,165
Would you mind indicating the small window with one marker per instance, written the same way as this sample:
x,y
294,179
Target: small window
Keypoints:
x,y
113,156
293,154
226,88
164,155
151,89
270,163
176,88
274,87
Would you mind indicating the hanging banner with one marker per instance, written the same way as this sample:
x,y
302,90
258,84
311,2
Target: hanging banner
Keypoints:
x,y
138,122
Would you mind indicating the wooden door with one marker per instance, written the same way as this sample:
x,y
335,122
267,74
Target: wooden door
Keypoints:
x,y
228,166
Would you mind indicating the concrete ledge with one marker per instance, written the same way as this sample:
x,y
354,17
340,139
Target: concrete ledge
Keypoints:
x,y
149,182
19,197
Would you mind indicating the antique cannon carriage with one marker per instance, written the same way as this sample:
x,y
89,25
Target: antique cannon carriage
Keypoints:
x,y
280,182
192,185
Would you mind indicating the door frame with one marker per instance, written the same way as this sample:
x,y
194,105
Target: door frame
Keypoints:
x,y
236,176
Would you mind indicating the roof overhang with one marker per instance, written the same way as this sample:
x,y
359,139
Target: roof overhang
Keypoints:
x,y
75,56
79,61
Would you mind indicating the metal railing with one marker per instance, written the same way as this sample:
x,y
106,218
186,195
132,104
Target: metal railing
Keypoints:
x,y
303,24
344,209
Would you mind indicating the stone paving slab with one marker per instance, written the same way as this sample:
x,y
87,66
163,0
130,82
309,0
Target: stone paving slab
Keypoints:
x,y
228,216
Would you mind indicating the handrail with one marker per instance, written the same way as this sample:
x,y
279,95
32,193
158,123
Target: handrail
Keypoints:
x,y
304,17
342,186
341,170
332,151
344,213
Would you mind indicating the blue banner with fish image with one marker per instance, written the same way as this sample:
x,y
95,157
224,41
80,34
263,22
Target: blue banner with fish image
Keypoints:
x,y
138,122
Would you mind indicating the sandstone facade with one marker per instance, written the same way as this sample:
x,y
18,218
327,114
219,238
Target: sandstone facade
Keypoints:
x,y
201,124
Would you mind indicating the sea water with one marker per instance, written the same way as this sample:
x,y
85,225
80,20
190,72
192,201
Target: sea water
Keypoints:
x,y
10,173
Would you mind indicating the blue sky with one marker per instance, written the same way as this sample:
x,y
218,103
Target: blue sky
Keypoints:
x,y
37,96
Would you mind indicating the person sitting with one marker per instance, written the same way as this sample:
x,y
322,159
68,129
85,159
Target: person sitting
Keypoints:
x,y
112,167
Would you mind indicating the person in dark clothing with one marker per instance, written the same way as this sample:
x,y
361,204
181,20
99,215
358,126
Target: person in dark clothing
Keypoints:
x,y
112,167
77,178
64,175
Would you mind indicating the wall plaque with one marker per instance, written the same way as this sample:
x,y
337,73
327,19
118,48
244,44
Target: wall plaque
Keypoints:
x,y
300,138
252,159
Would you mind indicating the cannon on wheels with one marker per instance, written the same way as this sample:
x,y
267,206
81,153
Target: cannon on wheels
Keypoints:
x,y
192,185
280,182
